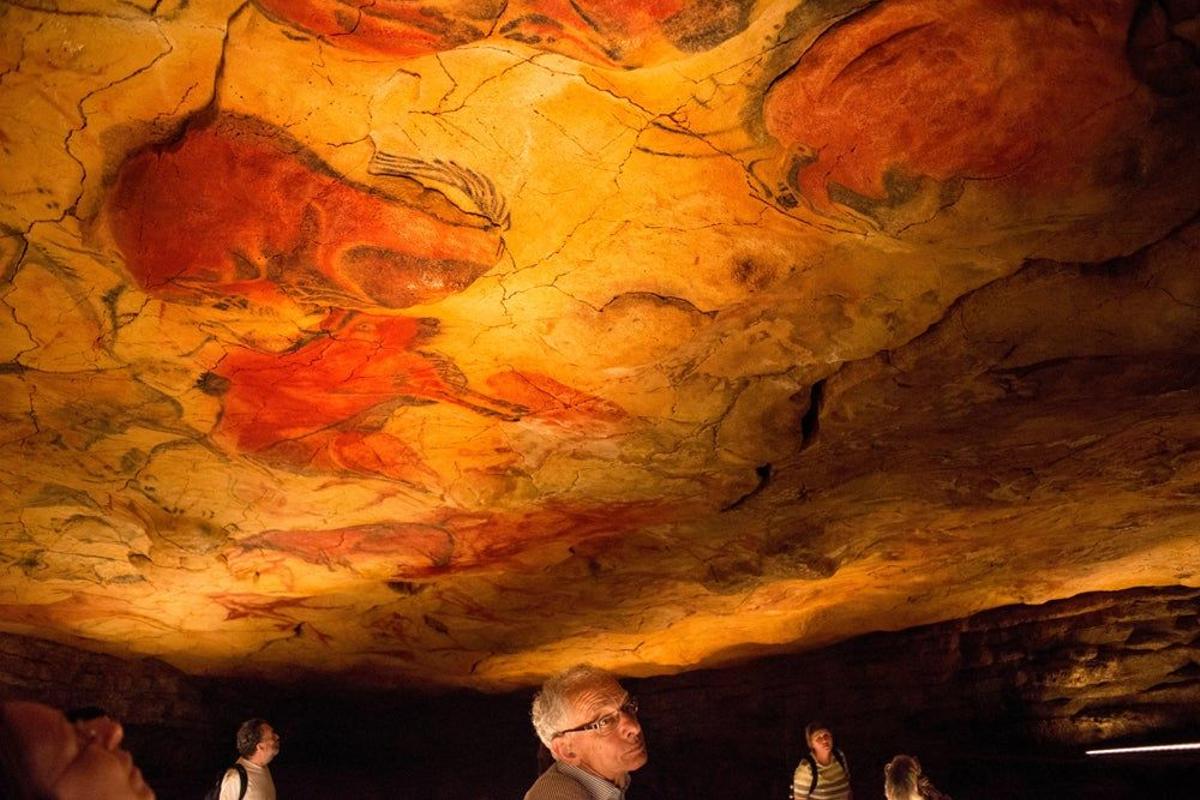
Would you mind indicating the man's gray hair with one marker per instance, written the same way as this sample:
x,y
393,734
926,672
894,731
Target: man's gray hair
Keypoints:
x,y
249,734
552,705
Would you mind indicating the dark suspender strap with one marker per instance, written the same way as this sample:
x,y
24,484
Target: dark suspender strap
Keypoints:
x,y
812,765
244,779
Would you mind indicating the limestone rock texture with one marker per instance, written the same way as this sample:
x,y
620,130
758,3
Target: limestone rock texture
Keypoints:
x,y
450,343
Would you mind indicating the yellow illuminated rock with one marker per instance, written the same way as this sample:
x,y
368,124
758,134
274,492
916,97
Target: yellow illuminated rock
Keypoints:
x,y
656,336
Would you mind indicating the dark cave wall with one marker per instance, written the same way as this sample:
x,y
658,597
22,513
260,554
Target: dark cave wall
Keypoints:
x,y
336,741
138,692
1000,704
177,726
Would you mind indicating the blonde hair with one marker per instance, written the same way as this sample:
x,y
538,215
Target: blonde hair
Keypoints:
x,y
900,777
903,780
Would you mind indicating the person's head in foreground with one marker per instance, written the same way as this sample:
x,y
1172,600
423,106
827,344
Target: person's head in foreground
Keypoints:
x,y
588,721
45,757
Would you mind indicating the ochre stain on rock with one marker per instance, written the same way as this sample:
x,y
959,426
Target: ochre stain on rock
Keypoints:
x,y
962,90
322,405
547,399
456,342
452,541
237,210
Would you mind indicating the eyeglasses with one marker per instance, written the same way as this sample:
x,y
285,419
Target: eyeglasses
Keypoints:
x,y
607,723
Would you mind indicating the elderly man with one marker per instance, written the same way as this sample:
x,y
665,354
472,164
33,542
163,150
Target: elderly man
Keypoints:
x,y
589,723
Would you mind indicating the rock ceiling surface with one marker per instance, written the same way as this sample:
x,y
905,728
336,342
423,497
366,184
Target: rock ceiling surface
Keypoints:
x,y
453,342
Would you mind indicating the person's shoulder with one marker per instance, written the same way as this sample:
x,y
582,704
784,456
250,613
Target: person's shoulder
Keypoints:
x,y
233,773
554,785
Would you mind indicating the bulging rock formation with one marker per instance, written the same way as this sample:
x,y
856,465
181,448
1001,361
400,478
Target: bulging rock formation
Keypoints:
x,y
452,343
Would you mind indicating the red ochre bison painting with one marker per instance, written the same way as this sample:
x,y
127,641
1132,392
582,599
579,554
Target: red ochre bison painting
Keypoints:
x,y
627,33
237,209
452,541
322,405
236,213
958,90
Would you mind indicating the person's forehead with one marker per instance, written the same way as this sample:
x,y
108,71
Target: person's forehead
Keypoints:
x,y
49,741
598,696
821,732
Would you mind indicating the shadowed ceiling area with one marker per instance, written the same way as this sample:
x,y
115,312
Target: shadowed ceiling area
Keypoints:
x,y
452,343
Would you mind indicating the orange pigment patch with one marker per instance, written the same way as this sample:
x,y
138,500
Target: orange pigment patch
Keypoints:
x,y
322,405
238,208
960,89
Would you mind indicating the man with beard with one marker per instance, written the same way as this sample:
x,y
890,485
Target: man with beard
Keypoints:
x,y
250,779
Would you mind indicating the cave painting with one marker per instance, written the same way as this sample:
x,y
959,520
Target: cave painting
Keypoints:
x,y
626,33
450,541
558,405
273,609
910,97
237,213
322,405
398,28
238,209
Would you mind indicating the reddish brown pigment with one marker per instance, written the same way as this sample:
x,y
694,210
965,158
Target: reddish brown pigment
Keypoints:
x,y
455,540
973,89
548,399
237,208
308,408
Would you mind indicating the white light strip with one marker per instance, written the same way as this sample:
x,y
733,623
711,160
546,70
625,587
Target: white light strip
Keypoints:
x,y
1150,748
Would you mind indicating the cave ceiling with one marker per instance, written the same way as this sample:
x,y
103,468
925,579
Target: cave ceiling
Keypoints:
x,y
452,342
